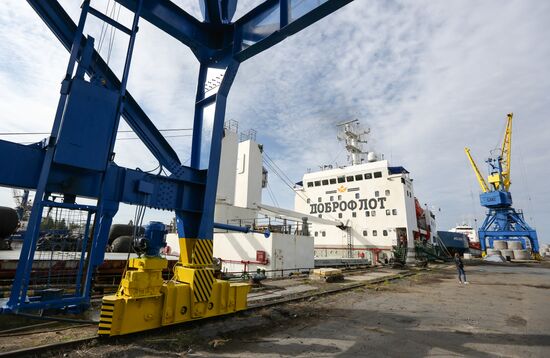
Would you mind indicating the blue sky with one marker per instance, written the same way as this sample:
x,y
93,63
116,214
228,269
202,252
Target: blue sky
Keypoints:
x,y
428,77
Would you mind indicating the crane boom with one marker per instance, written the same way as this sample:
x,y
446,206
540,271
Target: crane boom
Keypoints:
x,y
506,153
480,180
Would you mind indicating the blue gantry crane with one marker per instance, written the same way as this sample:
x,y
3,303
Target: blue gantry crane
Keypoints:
x,y
502,221
77,160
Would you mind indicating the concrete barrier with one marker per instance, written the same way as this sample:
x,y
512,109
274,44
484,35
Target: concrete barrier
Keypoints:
x,y
522,254
500,245
507,253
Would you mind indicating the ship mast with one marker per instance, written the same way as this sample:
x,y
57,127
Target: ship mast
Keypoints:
x,y
354,137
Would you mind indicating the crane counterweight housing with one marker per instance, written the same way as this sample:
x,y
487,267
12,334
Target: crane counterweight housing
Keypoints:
x,y
502,221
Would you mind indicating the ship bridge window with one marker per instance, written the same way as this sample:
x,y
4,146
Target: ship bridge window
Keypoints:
x,y
308,200
374,233
310,184
367,213
359,177
332,180
388,212
350,178
373,213
377,193
368,175
319,199
341,179
325,182
378,174
354,214
339,197
365,233
387,192
323,233
331,198
317,183
356,195
394,211
339,215
385,232
316,234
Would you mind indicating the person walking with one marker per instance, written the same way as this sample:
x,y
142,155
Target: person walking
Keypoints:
x,y
460,268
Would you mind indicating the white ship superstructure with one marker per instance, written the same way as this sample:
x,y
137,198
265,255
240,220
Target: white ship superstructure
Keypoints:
x,y
373,200
468,230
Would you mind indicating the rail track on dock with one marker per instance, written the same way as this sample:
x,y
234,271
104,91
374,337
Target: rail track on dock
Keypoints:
x,y
66,345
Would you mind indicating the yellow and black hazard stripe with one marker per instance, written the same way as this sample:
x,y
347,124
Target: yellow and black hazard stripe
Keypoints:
x,y
203,282
202,252
106,318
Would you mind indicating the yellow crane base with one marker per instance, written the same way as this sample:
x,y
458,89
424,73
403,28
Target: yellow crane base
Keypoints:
x,y
145,301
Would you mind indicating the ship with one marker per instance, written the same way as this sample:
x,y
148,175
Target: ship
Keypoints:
x,y
472,237
373,200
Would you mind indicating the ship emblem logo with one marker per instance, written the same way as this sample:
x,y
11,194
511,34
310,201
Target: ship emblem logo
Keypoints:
x,y
342,189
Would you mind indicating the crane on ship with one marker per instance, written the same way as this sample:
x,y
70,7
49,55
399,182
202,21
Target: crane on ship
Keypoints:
x,y
77,160
502,221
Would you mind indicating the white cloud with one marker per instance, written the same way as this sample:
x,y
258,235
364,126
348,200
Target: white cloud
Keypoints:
x,y
428,77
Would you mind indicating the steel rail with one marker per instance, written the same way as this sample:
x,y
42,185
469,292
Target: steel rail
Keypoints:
x,y
32,351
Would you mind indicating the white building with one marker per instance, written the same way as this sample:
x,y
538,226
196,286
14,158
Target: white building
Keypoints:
x,y
239,197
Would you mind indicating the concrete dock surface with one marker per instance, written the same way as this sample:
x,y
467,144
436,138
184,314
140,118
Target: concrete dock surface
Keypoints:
x,y
503,312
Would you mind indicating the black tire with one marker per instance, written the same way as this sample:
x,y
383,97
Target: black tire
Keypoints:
x,y
8,221
118,230
122,244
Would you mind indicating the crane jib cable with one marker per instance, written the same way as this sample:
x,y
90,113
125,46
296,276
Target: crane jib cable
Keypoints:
x,y
270,163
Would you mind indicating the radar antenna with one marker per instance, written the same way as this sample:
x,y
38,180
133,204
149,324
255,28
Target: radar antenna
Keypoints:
x,y
354,137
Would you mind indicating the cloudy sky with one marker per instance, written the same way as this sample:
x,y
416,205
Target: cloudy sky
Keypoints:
x,y
428,77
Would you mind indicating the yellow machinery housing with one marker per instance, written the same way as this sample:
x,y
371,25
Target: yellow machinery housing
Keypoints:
x,y
145,301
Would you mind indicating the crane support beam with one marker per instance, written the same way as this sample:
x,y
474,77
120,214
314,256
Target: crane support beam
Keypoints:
x,y
274,20
170,18
482,184
219,11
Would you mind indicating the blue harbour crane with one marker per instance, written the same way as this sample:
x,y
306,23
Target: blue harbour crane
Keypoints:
x,y
77,160
502,221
